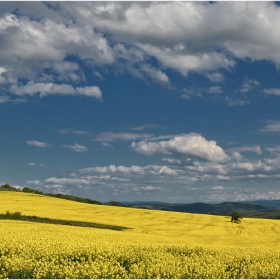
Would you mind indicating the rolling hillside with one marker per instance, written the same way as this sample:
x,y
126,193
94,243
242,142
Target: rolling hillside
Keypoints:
x,y
121,242
173,226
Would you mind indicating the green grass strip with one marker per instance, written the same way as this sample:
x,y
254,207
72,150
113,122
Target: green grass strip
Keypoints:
x,y
19,217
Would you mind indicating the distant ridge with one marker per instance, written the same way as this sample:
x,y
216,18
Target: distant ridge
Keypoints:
x,y
266,209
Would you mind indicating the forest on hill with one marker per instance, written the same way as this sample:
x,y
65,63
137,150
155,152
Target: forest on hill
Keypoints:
x,y
7,187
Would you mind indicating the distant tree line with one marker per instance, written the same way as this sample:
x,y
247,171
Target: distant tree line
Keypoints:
x,y
7,187
17,216
60,195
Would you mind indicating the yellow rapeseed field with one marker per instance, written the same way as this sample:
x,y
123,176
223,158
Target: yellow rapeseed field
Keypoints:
x,y
159,244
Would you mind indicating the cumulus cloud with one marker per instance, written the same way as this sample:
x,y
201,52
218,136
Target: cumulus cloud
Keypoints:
x,y
38,144
170,177
183,27
271,126
186,144
182,36
76,148
34,42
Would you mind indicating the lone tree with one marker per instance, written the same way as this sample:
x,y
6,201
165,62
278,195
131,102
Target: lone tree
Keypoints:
x,y
236,217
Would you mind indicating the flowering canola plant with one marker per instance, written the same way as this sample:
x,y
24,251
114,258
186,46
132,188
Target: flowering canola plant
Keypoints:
x,y
159,245
31,250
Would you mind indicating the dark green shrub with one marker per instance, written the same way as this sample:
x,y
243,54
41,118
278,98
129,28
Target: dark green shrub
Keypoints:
x,y
236,217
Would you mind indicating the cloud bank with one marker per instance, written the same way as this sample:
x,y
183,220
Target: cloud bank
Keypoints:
x,y
186,37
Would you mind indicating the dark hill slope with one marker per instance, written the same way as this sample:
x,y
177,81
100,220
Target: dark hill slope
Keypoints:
x,y
226,208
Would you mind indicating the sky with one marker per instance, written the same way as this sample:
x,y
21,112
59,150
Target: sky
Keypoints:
x,y
151,101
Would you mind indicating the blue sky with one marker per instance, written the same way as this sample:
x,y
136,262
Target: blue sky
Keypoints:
x,y
125,101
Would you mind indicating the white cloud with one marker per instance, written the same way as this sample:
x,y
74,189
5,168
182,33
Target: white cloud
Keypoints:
x,y
182,36
34,182
174,33
120,136
190,92
216,89
156,74
197,91
186,144
114,169
3,79
33,42
236,156
272,91
35,164
63,71
249,84
273,150
184,27
105,144
147,126
76,148
226,178
254,149
77,132
4,99
45,89
67,181
217,188
236,102
185,63
215,77
38,144
90,91
271,126
150,188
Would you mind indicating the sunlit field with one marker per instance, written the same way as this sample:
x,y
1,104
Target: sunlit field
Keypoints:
x,y
159,244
